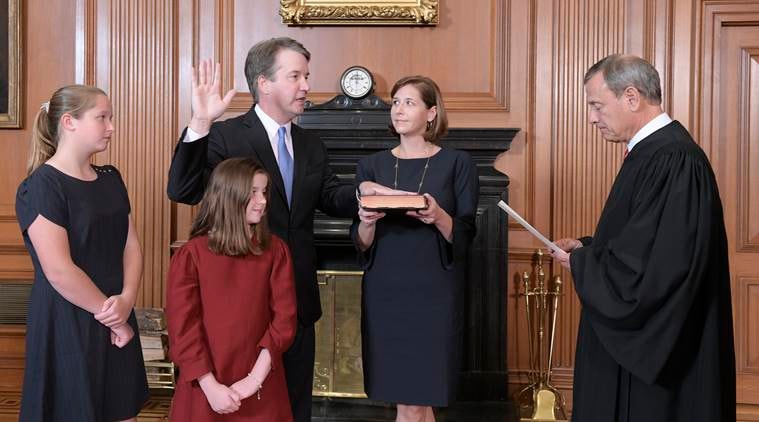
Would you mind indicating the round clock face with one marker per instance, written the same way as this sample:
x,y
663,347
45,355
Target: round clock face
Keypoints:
x,y
356,82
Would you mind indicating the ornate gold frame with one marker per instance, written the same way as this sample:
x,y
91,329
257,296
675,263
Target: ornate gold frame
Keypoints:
x,y
349,12
12,117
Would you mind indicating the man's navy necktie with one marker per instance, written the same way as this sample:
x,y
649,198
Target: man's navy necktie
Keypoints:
x,y
285,162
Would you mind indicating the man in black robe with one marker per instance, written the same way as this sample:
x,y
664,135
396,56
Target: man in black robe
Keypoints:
x,y
655,341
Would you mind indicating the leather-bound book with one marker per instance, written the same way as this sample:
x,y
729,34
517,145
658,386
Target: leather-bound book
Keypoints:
x,y
393,202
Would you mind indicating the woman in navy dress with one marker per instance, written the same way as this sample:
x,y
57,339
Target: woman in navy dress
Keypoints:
x,y
83,357
413,261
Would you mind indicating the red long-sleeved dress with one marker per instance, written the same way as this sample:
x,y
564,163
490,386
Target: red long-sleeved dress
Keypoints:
x,y
221,311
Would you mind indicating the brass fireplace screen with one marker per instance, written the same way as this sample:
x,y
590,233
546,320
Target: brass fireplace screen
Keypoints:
x,y
338,369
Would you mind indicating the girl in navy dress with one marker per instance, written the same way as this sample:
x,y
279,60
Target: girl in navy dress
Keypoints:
x,y
83,357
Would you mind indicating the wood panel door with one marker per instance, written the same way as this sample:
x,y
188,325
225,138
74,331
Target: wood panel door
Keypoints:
x,y
730,136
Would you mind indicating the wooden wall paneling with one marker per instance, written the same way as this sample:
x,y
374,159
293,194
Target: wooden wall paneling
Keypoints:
x,y
683,58
11,357
729,71
648,34
48,43
747,301
528,165
15,264
710,17
43,42
188,55
735,45
584,164
201,38
84,44
658,48
136,64
540,130
747,228
750,155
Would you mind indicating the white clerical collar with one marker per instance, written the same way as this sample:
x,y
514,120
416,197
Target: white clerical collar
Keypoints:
x,y
270,124
655,124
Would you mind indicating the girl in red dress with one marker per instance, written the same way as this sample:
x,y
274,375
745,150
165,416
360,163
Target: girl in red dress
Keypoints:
x,y
231,306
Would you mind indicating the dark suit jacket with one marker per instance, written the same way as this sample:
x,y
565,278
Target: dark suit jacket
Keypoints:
x,y
314,186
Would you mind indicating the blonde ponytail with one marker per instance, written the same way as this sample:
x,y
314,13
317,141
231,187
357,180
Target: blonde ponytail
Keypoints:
x,y
70,99
44,143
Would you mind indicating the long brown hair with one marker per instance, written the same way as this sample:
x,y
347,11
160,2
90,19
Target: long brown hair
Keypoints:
x,y
222,210
70,99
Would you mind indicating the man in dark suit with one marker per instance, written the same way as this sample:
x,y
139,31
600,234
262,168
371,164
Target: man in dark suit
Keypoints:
x,y
301,179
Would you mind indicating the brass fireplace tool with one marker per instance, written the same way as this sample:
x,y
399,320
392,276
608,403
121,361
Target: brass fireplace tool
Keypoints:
x,y
541,401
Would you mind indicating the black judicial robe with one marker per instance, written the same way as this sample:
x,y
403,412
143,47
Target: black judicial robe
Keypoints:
x,y
655,341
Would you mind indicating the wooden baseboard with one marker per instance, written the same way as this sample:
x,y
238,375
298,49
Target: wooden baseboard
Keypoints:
x,y
747,412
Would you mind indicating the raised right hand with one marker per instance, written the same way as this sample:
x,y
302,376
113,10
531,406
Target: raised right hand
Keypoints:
x,y
207,103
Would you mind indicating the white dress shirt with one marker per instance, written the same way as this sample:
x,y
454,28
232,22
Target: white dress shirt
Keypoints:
x,y
655,124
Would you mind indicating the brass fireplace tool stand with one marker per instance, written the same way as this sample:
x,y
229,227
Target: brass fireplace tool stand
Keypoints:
x,y
540,401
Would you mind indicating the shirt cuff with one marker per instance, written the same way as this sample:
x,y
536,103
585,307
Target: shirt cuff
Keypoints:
x,y
192,136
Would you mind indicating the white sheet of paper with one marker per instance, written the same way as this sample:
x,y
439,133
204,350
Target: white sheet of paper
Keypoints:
x,y
531,229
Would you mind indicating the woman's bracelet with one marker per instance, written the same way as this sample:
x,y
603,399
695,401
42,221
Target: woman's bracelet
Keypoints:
x,y
259,383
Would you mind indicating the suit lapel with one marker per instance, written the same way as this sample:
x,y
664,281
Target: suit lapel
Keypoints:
x,y
259,139
300,151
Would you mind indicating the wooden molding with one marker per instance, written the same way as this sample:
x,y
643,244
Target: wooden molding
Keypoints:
x,y
748,230
746,298
12,342
135,61
7,213
746,412
85,43
583,164
713,15
225,45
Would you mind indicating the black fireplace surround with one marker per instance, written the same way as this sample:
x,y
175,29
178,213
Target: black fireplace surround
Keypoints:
x,y
352,129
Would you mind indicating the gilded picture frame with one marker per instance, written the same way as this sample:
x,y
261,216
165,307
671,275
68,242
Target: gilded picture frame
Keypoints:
x,y
10,64
352,12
